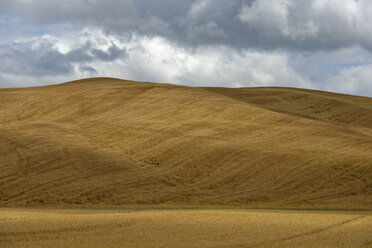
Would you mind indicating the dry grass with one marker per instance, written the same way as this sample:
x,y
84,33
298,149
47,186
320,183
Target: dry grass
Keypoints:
x,y
107,142
181,228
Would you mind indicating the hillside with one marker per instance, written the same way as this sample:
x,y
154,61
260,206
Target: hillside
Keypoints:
x,y
107,142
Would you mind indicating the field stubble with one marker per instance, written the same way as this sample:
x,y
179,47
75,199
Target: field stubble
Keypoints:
x,y
184,228
106,142
109,143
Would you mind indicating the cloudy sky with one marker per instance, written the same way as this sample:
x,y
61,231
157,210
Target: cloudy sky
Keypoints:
x,y
318,44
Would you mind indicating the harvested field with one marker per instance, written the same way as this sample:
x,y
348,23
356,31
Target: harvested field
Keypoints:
x,y
184,228
105,143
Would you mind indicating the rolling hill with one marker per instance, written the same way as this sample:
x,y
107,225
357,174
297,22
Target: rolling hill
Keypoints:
x,y
105,142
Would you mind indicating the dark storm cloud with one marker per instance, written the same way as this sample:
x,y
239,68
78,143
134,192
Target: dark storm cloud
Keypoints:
x,y
264,24
80,54
43,59
112,54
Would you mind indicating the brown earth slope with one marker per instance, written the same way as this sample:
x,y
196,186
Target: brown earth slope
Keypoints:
x,y
109,142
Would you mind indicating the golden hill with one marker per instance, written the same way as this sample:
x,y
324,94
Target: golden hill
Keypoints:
x,y
108,142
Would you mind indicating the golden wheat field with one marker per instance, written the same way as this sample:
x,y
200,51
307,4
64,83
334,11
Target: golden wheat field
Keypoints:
x,y
81,164
106,142
183,228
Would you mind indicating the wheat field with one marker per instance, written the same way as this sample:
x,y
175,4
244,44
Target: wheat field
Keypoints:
x,y
82,164
183,228
107,143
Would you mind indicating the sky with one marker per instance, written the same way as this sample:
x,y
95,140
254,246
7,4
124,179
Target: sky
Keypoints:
x,y
316,44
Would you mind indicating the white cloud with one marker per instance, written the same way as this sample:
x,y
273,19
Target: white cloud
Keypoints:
x,y
321,44
352,80
157,59
317,22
